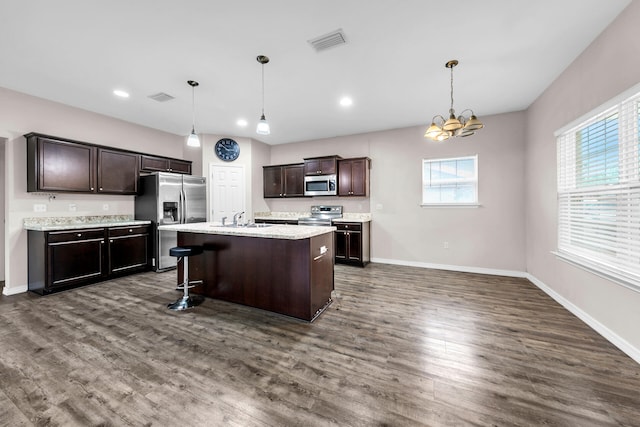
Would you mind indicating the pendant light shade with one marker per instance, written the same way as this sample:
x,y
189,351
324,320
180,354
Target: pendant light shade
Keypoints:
x,y
455,126
193,140
263,127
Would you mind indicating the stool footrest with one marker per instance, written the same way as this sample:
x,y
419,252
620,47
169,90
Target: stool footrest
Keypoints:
x,y
192,284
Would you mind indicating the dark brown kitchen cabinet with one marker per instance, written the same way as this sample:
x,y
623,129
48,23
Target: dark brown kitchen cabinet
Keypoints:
x,y
66,259
283,181
60,165
117,172
128,249
164,164
353,177
352,243
327,165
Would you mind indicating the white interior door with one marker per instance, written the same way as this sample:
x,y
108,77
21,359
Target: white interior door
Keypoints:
x,y
227,187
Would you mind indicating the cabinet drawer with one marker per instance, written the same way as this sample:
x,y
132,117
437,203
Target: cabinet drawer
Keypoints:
x,y
128,231
350,226
75,235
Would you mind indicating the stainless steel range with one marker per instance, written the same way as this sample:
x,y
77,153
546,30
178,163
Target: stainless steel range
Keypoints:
x,y
321,215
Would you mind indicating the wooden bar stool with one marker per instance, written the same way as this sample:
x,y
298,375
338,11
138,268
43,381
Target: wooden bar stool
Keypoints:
x,y
187,301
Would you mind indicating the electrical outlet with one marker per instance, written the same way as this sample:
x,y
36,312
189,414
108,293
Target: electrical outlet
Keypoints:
x,y
105,207
72,207
379,206
39,207
445,245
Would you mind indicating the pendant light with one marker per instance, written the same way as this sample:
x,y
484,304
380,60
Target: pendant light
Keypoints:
x,y
193,140
455,126
263,126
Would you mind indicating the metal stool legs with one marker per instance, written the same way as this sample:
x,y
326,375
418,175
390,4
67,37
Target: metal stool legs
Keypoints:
x,y
187,301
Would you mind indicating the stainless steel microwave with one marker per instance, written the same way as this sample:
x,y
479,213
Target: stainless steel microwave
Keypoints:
x,y
320,185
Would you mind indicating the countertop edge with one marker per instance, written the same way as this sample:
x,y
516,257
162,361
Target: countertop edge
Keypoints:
x,y
80,226
287,232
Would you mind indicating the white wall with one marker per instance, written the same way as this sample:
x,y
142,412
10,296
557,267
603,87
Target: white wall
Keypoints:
x,y
609,66
20,114
253,154
2,208
490,237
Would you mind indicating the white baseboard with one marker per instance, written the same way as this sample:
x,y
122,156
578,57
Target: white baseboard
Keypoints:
x,y
607,333
461,268
14,290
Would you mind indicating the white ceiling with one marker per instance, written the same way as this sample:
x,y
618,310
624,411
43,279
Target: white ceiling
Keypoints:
x,y
77,51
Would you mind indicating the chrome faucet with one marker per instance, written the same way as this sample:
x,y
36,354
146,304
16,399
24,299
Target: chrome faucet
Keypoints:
x,y
236,217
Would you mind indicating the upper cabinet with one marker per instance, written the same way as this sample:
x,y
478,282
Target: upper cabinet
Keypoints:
x,y
59,165
62,165
327,165
353,177
117,172
283,181
164,164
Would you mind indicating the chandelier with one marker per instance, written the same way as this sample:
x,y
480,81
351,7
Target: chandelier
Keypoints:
x,y
462,125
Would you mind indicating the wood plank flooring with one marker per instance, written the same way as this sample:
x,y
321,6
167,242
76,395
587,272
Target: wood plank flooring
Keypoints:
x,y
399,346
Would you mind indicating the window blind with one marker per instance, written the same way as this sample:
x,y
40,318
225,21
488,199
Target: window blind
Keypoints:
x,y
599,192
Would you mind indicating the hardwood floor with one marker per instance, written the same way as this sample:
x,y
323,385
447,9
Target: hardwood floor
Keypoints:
x,y
399,346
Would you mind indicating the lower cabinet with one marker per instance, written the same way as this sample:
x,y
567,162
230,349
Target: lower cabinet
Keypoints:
x,y
352,243
128,249
64,259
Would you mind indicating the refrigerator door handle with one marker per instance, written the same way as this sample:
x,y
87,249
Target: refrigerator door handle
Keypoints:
x,y
181,208
183,195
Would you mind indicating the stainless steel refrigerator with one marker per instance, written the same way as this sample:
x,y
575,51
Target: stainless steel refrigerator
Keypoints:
x,y
170,198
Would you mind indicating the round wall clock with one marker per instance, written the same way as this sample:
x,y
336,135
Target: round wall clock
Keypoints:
x,y
227,149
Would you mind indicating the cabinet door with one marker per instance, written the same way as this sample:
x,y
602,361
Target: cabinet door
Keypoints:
x,y
128,249
293,181
359,177
117,172
344,177
312,167
180,166
65,166
328,166
72,262
272,181
341,245
153,164
354,246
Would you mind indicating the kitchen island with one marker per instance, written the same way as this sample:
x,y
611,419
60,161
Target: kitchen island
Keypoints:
x,y
285,269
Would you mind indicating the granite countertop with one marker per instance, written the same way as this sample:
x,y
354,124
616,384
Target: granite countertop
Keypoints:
x,y
80,222
289,232
347,217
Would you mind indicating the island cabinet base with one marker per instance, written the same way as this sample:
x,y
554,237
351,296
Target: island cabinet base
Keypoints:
x,y
291,277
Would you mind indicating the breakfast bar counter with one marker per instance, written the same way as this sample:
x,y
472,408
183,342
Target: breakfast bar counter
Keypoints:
x,y
285,269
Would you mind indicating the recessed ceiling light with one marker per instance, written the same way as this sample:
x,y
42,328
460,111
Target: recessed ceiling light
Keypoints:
x,y
346,101
121,93
242,122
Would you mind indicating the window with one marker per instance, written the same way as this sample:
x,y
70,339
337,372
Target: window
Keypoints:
x,y
450,181
599,192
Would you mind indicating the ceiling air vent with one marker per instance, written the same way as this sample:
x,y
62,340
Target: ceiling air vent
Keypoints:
x,y
326,41
161,97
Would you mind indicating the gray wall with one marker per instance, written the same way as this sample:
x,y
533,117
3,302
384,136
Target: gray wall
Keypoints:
x,y
608,67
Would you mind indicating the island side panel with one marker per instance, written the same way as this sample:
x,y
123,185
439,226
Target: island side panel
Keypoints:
x,y
271,274
322,264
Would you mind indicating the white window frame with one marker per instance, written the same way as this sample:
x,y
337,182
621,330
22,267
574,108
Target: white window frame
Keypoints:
x,y
598,224
473,180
